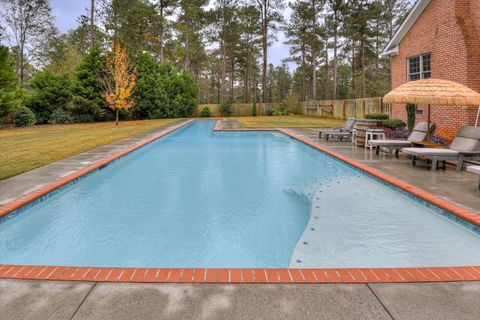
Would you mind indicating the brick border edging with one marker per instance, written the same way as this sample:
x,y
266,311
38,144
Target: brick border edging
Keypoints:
x,y
236,275
26,199
239,275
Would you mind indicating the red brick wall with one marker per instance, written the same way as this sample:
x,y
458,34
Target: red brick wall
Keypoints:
x,y
450,30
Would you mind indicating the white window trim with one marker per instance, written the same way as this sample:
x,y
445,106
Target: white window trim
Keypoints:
x,y
421,66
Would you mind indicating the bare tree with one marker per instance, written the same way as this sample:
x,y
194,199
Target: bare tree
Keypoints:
x,y
30,22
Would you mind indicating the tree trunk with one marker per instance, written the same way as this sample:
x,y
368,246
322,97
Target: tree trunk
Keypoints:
x,y
116,117
303,74
314,53
232,75
246,88
22,65
162,31
354,93
325,83
335,68
92,23
265,61
223,71
363,69
187,54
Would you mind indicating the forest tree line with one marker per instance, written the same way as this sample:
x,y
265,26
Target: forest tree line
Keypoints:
x,y
220,50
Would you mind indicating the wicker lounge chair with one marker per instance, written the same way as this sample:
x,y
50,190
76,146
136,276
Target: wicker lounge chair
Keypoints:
x,y
466,145
419,133
343,132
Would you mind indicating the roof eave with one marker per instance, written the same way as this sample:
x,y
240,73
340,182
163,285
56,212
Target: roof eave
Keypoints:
x,y
391,53
409,21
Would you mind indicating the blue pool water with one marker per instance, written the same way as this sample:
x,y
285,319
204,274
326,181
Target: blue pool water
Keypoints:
x,y
198,198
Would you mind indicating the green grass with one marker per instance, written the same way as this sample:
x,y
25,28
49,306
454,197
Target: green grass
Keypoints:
x,y
293,121
24,149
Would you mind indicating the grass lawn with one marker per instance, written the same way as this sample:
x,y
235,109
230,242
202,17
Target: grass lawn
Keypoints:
x,y
24,149
293,121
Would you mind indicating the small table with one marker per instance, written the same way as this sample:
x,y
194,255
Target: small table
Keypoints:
x,y
373,134
427,144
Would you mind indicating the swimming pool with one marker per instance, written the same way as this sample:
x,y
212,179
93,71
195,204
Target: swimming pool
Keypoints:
x,y
199,198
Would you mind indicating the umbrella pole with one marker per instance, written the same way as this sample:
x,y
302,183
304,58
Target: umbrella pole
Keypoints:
x,y
478,116
428,124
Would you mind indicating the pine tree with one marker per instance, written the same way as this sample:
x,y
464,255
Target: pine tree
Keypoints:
x,y
270,17
298,38
10,92
88,103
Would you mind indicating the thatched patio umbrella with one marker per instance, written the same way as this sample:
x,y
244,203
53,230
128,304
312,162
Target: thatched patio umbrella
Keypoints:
x,y
433,92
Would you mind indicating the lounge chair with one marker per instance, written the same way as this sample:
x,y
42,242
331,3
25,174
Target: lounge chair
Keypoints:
x,y
476,170
466,145
419,133
343,132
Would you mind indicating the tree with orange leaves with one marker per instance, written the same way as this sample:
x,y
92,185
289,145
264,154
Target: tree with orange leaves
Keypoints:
x,y
121,82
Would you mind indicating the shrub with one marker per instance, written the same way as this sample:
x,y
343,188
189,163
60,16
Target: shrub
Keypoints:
x,y
394,123
24,117
396,133
292,102
162,91
60,116
269,112
254,109
84,118
281,112
225,108
205,112
377,116
439,140
411,109
50,92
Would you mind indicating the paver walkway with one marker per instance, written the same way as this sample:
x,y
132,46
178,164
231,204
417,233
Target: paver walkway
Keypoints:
x,y
37,300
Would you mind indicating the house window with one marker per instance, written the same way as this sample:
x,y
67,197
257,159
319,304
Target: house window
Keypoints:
x,y
419,67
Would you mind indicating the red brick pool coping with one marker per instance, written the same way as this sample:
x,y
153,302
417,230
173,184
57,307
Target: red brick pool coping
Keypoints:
x,y
200,275
235,275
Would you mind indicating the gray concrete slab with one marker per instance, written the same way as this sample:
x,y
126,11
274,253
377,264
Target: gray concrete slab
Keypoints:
x,y
420,301
24,299
210,301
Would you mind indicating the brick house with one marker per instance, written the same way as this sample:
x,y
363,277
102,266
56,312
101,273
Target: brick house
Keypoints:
x,y
439,39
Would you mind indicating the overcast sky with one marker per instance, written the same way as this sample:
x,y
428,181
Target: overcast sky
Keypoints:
x,y
67,12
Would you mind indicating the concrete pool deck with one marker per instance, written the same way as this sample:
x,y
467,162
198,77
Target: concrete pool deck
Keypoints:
x,y
30,299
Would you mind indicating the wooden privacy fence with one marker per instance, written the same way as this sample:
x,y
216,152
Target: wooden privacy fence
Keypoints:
x,y
239,109
334,109
342,109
